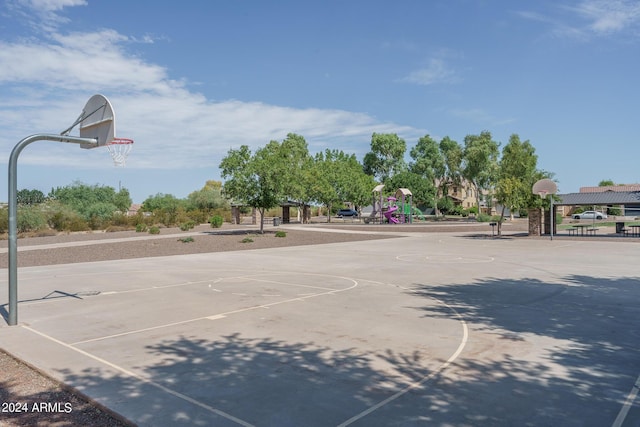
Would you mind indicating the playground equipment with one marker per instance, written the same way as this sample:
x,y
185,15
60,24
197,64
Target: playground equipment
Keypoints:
x,y
405,197
389,212
376,214
394,212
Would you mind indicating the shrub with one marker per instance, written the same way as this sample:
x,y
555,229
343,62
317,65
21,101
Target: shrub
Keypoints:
x,y
30,218
246,240
4,220
141,228
281,234
558,218
482,217
188,239
186,226
154,230
120,220
216,221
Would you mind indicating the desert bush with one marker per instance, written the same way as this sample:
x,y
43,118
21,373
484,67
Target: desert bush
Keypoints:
x,y
246,240
186,226
281,234
483,217
120,219
30,218
141,228
188,239
216,221
4,220
154,229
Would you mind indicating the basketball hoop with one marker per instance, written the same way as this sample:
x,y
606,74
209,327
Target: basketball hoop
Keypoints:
x,y
119,148
543,194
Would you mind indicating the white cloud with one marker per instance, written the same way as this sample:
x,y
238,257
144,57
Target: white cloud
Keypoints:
x,y
437,71
592,18
42,15
51,5
44,85
609,16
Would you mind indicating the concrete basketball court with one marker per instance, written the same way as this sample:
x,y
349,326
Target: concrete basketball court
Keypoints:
x,y
437,329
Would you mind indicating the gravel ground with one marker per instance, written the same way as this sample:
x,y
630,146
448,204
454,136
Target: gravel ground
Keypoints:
x,y
20,383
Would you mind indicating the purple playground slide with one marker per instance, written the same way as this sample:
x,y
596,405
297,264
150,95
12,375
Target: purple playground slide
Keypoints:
x,y
389,215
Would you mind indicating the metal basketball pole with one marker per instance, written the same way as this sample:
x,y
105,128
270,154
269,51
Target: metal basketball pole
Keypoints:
x,y
13,211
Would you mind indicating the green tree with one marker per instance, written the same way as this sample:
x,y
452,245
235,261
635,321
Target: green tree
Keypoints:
x,y
88,200
480,162
208,197
165,207
452,156
428,164
294,163
122,200
337,177
386,157
606,183
253,179
326,183
422,190
30,197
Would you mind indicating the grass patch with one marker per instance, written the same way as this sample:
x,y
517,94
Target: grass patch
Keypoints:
x,y
188,239
246,240
281,234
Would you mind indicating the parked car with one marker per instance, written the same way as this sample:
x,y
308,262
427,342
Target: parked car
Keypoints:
x,y
347,212
590,215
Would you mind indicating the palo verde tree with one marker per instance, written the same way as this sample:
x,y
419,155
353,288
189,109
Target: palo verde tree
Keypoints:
x,y
208,197
92,200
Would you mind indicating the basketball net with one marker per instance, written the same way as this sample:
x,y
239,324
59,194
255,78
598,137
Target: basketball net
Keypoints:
x,y
119,148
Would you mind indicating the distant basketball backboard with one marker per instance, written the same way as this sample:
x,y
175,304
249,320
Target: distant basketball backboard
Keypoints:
x,y
544,187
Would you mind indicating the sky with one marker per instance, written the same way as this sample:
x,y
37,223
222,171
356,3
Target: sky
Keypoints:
x,y
191,80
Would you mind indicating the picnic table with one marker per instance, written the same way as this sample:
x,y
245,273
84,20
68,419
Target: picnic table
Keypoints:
x,y
589,228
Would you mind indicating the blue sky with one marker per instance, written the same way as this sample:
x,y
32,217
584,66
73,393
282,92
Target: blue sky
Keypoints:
x,y
189,80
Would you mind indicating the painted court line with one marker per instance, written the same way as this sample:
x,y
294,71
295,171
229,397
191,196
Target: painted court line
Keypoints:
x,y
228,313
454,356
627,404
143,379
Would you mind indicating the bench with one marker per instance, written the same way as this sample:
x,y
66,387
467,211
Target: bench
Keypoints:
x,y
592,231
572,231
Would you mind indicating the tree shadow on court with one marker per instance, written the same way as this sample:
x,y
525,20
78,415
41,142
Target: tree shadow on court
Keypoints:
x,y
539,353
265,382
